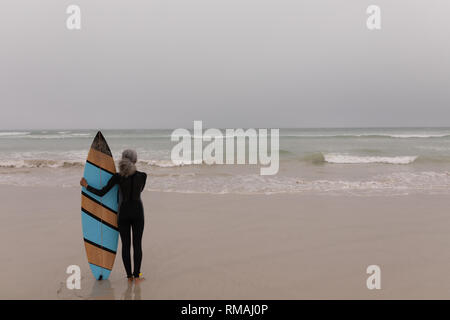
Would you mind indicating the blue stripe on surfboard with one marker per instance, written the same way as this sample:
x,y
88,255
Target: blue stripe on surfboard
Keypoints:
x,y
98,178
97,271
105,237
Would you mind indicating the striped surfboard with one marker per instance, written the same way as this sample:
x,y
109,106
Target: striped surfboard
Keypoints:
x,y
99,214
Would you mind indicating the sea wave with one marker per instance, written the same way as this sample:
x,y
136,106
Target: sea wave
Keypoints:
x,y
407,136
59,136
338,158
313,158
169,163
40,163
48,134
367,135
351,159
13,133
30,135
47,163
394,183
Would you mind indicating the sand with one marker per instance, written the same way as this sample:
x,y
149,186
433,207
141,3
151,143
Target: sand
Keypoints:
x,y
203,246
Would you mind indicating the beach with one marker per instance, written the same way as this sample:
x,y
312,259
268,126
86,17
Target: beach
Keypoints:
x,y
205,246
282,149
342,200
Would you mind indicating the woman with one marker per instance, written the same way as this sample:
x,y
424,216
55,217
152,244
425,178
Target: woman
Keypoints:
x,y
131,211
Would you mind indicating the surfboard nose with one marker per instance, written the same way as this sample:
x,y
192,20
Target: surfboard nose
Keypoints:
x,y
100,144
99,137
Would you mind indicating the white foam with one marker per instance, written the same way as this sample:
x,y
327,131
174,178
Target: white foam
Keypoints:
x,y
350,159
169,163
71,158
58,136
406,136
38,163
369,135
14,133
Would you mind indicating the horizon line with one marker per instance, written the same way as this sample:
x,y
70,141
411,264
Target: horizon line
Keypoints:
x,y
222,128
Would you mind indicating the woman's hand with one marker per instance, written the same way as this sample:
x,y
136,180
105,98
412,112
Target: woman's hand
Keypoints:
x,y
83,182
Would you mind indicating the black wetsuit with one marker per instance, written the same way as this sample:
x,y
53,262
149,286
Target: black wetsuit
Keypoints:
x,y
131,216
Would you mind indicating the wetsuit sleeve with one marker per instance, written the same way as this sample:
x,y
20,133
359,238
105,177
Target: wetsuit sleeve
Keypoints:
x,y
101,192
144,180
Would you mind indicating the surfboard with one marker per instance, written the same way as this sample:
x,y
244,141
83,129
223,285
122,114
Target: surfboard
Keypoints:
x,y
99,214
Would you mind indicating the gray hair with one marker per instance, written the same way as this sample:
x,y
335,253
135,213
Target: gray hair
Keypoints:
x,y
127,165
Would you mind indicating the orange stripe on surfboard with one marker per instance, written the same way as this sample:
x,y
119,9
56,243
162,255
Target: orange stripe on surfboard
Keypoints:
x,y
99,211
99,257
101,160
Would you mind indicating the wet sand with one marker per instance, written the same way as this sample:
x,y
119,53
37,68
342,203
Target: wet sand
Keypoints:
x,y
200,246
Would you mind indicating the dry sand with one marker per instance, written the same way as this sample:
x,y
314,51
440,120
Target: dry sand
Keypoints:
x,y
199,246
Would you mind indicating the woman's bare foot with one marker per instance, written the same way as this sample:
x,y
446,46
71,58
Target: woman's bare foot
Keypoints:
x,y
139,280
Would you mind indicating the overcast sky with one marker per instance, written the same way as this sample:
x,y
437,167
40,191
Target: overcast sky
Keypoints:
x,y
230,63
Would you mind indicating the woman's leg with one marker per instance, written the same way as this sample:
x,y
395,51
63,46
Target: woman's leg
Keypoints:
x,y
138,230
125,236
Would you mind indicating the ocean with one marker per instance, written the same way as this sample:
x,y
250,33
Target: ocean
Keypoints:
x,y
350,161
